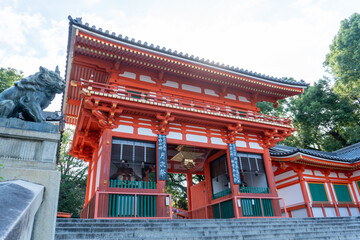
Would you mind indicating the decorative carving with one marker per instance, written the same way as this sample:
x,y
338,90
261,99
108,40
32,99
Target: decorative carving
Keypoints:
x,y
29,96
326,172
233,130
164,122
283,166
271,137
106,116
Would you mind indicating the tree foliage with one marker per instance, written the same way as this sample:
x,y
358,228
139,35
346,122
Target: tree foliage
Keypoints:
x,y
343,60
325,120
8,76
177,187
73,179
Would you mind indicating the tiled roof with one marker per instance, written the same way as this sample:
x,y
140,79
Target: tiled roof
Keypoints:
x,y
185,56
348,154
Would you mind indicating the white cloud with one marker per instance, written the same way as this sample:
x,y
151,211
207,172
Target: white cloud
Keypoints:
x,y
279,38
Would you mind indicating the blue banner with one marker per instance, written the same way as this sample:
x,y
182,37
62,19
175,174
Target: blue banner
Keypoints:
x,y
234,163
162,157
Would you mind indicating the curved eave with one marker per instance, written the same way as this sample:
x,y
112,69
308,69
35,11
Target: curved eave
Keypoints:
x,y
307,159
220,71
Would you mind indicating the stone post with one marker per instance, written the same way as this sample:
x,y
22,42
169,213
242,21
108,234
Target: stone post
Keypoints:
x,y
28,152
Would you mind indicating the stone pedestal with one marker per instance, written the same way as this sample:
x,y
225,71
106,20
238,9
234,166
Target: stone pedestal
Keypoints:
x,y
28,152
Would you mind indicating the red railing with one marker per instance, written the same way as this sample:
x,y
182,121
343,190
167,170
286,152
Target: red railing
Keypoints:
x,y
178,101
88,209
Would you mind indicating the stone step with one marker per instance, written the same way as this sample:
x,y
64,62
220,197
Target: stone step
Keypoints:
x,y
210,220
346,228
249,234
189,222
264,228
162,226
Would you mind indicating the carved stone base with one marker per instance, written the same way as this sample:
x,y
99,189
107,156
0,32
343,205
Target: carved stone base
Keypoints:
x,y
28,152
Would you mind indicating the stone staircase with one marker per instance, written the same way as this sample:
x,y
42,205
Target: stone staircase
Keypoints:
x,y
243,229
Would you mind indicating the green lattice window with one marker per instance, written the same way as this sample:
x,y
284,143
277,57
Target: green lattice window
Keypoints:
x,y
318,192
342,193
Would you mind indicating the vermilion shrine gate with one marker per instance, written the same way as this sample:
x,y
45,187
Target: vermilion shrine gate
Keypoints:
x,y
143,111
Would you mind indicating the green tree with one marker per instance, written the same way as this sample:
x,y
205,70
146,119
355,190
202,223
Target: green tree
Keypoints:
x,y
343,60
268,108
8,76
176,186
73,179
325,120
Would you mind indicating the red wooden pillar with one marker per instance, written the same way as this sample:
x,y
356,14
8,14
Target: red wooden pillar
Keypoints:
x,y
208,183
304,192
189,181
102,201
269,173
105,159
332,196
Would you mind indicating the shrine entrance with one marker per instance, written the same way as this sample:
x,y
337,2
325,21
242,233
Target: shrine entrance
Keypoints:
x,y
207,178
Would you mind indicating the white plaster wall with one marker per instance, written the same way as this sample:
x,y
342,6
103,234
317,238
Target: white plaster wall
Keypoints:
x,y
318,173
284,175
146,131
317,212
308,172
191,88
308,191
343,212
175,135
328,192
354,212
146,79
210,92
241,143
330,212
128,75
341,175
356,173
356,190
292,194
215,140
254,145
333,174
196,138
171,84
351,193
299,213
230,96
243,99
124,129
289,180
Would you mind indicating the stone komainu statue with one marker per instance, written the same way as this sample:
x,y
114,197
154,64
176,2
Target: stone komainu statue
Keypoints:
x,y
29,96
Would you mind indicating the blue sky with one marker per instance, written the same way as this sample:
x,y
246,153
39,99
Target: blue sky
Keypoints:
x,y
283,38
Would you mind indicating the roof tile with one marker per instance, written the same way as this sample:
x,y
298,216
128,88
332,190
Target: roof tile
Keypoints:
x,y
78,22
